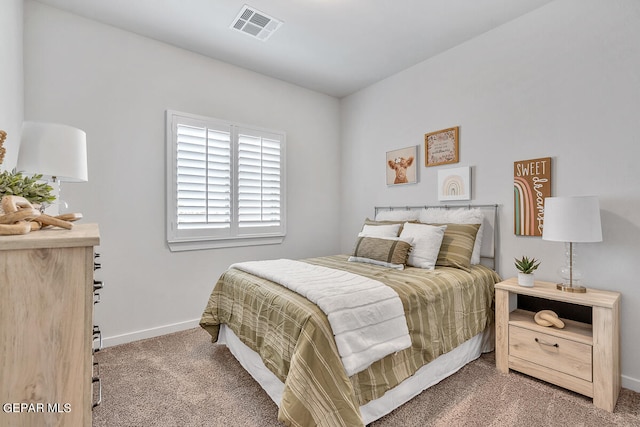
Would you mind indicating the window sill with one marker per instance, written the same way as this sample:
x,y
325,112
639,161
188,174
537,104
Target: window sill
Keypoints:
x,y
195,245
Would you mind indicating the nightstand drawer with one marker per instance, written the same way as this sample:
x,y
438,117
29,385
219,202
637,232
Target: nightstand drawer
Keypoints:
x,y
552,352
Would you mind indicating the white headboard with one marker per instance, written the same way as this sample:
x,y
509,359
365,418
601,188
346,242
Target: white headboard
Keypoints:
x,y
490,238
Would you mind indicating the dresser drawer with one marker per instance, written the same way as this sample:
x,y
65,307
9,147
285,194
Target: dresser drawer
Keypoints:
x,y
563,355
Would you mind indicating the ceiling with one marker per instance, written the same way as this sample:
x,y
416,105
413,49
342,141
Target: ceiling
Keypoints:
x,y
335,47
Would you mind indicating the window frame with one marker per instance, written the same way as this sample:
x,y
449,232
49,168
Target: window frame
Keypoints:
x,y
234,236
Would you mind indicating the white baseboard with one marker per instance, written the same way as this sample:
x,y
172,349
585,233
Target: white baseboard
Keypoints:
x,y
149,333
631,383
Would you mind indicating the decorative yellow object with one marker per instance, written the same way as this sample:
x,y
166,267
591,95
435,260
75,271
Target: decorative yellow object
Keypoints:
x,y
548,318
3,136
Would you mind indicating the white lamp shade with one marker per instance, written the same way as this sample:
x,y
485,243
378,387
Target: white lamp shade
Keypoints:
x,y
572,219
53,150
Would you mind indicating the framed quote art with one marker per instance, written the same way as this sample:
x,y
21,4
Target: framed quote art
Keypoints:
x,y
441,147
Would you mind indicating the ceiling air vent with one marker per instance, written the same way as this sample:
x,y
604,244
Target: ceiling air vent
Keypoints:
x,y
255,23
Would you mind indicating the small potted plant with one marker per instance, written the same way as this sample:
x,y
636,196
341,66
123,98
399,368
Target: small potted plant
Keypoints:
x,y
526,267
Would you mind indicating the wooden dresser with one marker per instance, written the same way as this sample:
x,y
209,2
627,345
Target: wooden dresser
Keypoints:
x,y
46,327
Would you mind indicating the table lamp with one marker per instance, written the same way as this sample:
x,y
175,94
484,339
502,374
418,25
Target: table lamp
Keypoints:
x,y
57,152
571,220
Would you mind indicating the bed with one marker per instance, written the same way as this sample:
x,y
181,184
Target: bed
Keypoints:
x,y
287,344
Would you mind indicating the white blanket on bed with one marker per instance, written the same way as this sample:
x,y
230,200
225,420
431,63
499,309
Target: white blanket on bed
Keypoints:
x,y
367,316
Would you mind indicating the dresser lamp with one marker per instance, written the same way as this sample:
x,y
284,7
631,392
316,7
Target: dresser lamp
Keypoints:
x,y
571,220
57,152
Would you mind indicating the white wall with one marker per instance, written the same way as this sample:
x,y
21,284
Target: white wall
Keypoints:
x,y
11,81
562,81
116,86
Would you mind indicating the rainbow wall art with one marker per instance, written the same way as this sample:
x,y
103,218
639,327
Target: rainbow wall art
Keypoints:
x,y
531,184
454,183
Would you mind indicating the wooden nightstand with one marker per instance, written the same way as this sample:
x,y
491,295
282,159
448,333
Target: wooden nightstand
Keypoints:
x,y
581,357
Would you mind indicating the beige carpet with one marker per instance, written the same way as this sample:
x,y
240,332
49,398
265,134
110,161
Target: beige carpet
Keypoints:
x,y
183,379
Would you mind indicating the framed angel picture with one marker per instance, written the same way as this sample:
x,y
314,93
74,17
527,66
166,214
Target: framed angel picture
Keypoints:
x,y
441,147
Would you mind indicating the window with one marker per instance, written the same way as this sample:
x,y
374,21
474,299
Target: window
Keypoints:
x,y
225,183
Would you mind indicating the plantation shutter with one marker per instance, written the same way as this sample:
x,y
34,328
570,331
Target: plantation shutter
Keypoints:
x,y
259,179
203,177
225,184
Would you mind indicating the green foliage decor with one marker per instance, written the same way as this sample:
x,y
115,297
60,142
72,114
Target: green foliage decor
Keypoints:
x,y
526,265
13,183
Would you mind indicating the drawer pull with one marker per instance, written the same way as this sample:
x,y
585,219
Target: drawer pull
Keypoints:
x,y
546,343
99,401
97,336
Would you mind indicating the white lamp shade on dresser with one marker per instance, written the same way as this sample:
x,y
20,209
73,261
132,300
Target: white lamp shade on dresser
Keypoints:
x,y
53,150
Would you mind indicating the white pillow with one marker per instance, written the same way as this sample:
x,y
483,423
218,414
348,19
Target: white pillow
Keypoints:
x,y
387,230
426,243
398,215
457,216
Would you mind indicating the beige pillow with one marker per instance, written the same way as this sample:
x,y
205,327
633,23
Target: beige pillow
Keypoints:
x,y
381,228
393,252
370,222
457,246
458,216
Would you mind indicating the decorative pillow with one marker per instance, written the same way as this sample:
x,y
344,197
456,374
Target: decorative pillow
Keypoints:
x,y
381,230
388,252
457,246
426,243
457,216
387,222
398,215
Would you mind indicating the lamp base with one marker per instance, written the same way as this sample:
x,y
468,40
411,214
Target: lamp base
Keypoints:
x,y
568,288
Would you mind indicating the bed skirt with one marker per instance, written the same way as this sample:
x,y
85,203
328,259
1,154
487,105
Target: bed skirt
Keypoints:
x,y
427,376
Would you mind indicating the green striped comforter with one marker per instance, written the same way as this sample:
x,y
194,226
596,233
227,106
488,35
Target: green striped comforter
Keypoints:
x,y
444,308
